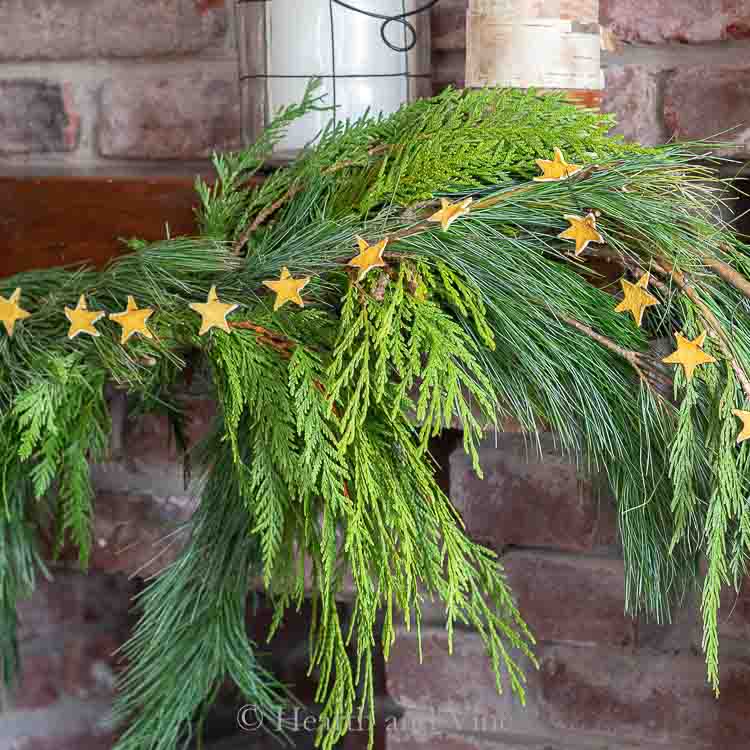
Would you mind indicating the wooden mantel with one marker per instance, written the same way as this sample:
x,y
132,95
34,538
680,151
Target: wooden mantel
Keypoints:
x,y
59,219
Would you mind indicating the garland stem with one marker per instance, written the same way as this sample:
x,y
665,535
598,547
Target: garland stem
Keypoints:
x,y
710,320
735,278
282,345
631,356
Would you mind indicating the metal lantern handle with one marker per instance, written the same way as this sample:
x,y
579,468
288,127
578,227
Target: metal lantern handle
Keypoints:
x,y
387,20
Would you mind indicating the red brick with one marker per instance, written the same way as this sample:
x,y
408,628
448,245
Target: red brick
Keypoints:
x,y
90,662
448,25
684,21
458,741
527,501
632,94
75,29
145,461
288,651
571,599
136,533
72,599
150,441
644,697
54,603
450,691
448,69
37,116
89,741
106,599
177,117
708,102
734,616
41,678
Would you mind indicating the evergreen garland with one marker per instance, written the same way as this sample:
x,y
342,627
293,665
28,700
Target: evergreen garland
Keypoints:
x,y
318,469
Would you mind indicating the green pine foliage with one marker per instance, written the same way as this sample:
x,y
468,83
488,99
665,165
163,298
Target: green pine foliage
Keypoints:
x,y
192,632
318,475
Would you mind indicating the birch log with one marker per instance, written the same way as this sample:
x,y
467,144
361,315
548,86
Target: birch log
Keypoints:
x,y
544,44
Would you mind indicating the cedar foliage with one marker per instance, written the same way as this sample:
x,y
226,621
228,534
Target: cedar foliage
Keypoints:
x,y
320,455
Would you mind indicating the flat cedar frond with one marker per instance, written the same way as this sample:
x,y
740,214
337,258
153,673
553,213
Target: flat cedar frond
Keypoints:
x,y
391,347
63,423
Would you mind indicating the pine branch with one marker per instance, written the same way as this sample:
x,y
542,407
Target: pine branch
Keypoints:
x,y
200,602
265,214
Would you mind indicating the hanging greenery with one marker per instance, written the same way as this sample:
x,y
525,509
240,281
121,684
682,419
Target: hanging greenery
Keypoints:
x,y
404,273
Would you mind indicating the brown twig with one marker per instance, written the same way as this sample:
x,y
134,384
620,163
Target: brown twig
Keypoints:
x,y
649,373
729,274
282,345
354,163
710,320
268,211
627,354
294,190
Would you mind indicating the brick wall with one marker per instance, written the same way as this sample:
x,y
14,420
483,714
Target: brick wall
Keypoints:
x,y
606,680
94,84
85,84
68,633
88,83
682,70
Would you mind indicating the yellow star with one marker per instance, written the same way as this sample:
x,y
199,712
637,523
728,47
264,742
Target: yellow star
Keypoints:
x,y
451,211
133,320
370,256
745,417
10,311
287,289
81,320
637,299
582,230
213,312
556,168
689,354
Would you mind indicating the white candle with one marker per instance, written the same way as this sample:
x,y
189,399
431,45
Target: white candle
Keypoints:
x,y
342,47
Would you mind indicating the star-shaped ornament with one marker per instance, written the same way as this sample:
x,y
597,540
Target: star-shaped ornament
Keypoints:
x,y
745,417
82,319
10,311
214,313
451,211
689,354
556,168
583,230
133,320
370,256
637,299
287,289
